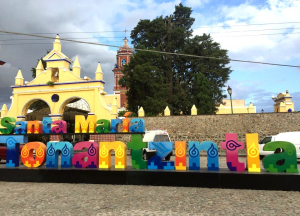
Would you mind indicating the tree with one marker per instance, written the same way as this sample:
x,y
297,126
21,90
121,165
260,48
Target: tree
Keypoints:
x,y
173,77
33,70
202,95
145,85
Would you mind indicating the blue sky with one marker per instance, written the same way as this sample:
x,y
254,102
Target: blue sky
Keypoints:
x,y
253,82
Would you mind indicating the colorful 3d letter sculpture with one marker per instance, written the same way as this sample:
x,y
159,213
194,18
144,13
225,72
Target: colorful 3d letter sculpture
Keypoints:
x,y
61,127
120,154
138,125
53,149
253,160
136,145
6,122
27,154
22,129
126,122
114,125
47,125
212,155
13,149
232,145
180,155
92,155
103,126
194,155
34,127
84,126
163,149
288,155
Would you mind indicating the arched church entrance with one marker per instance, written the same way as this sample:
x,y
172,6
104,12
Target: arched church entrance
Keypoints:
x,y
36,110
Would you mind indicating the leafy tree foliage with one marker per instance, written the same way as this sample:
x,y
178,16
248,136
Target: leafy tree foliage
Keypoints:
x,y
33,70
155,80
147,86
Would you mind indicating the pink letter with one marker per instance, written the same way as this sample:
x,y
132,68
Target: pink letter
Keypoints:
x,y
92,155
232,145
60,128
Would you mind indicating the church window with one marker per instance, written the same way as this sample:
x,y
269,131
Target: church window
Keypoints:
x,y
54,75
123,61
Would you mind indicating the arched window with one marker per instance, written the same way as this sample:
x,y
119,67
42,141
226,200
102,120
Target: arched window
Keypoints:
x,y
123,62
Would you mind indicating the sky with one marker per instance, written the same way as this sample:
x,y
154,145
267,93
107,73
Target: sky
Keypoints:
x,y
265,31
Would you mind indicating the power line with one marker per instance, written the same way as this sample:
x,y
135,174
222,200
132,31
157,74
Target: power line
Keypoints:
x,y
203,32
216,26
72,32
11,37
258,35
248,25
129,39
46,43
154,51
253,30
65,38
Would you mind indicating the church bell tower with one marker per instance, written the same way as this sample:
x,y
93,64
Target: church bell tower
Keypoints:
x,y
123,57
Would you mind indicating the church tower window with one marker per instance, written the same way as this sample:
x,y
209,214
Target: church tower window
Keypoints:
x,y
55,75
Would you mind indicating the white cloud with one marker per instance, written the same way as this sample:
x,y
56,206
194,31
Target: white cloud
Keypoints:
x,y
195,3
150,10
269,48
295,99
243,11
251,92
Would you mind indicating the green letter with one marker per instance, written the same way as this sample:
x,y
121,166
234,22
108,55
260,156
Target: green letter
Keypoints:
x,y
136,145
288,155
104,126
5,122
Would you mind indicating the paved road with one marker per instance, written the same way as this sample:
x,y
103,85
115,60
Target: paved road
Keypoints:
x,y
88,199
83,199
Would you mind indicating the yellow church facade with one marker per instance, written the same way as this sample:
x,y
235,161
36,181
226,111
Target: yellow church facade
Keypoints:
x,y
57,85
283,102
237,105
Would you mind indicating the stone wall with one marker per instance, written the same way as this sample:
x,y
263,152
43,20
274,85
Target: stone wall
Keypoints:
x,y
214,127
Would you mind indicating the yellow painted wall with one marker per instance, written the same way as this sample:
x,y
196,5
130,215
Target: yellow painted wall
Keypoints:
x,y
58,64
109,99
235,103
238,107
